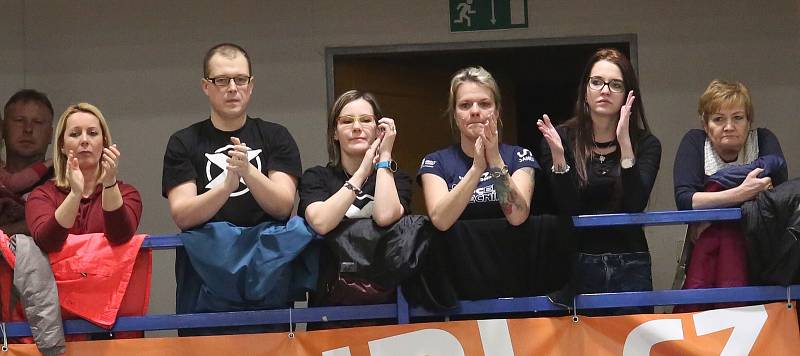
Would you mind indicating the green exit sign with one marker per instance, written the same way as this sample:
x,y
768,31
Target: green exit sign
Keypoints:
x,y
479,15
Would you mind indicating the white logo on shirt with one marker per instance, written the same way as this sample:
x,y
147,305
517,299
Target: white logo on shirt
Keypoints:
x,y
427,163
484,194
481,194
354,212
220,159
525,155
484,177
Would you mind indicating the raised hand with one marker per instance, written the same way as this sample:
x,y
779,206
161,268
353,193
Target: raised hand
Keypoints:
x,y
109,165
370,158
550,134
388,133
238,161
238,165
623,126
479,161
491,143
74,174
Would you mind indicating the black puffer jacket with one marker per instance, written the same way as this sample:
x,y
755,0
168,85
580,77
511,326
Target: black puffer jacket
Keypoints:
x,y
772,227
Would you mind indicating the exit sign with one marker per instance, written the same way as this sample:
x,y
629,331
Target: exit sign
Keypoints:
x,y
479,15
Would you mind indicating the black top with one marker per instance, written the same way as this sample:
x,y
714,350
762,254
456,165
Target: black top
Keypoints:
x,y
199,152
320,183
688,174
610,189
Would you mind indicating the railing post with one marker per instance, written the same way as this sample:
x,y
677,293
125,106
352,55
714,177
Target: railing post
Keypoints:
x,y
402,308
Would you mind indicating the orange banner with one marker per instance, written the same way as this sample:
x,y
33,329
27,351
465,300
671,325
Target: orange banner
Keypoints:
x,y
756,330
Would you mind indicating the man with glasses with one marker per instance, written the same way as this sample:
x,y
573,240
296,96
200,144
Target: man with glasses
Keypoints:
x,y
228,168
27,132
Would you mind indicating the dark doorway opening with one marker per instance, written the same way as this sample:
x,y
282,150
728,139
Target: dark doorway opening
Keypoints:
x,y
411,83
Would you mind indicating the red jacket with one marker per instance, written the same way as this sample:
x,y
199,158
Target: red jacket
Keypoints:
x,y
96,280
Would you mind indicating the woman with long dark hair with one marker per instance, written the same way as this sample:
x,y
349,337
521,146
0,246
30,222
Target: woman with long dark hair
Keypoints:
x,y
605,160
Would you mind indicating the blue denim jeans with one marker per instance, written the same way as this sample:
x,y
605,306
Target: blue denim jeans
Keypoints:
x,y
614,272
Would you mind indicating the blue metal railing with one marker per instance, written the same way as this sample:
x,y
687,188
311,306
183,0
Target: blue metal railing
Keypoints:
x,y
403,312
162,242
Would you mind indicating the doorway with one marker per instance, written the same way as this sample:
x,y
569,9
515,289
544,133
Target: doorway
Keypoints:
x,y
411,84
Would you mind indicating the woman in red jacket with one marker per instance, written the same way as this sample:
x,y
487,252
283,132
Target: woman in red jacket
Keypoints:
x,y
85,196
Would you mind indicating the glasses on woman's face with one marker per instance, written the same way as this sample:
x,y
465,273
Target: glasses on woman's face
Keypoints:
x,y
350,120
615,85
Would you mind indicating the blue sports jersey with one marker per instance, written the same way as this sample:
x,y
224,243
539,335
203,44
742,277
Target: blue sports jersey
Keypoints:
x,y
451,164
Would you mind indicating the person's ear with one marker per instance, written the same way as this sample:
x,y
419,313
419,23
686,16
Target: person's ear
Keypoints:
x,y
250,86
204,84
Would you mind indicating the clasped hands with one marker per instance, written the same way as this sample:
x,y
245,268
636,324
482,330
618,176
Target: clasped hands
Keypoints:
x,y
381,147
109,166
487,146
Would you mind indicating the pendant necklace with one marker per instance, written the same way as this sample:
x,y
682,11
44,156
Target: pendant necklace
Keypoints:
x,y
603,145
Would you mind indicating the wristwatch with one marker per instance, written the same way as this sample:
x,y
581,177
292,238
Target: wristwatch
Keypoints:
x,y
390,165
498,172
560,169
626,163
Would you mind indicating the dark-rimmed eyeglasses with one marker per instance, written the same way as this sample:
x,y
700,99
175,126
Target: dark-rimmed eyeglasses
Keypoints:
x,y
241,80
615,85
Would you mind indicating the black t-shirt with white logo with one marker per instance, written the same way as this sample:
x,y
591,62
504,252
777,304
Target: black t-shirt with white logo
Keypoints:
x,y
452,164
320,183
199,152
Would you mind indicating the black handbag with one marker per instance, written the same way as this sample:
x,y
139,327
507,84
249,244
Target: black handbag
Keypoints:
x,y
363,263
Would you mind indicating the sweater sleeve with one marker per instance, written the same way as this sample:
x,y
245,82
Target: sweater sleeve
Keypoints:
x,y
40,210
688,175
564,187
24,179
121,224
638,181
768,145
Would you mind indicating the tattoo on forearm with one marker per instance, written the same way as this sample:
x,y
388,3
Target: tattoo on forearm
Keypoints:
x,y
508,198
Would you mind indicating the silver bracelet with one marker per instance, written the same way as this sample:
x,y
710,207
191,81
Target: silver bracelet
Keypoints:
x,y
352,187
560,170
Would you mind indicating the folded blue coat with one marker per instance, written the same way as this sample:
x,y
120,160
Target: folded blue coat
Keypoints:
x,y
774,166
247,268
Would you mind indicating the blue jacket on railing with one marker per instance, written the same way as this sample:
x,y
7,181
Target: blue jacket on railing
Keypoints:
x,y
262,267
774,166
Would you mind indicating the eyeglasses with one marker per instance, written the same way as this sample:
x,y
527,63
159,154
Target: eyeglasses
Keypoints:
x,y
615,85
350,120
225,81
